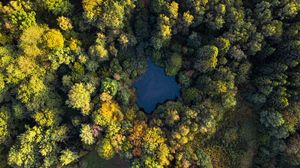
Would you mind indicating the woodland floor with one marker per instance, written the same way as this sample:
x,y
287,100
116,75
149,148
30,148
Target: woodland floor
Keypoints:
x,y
247,120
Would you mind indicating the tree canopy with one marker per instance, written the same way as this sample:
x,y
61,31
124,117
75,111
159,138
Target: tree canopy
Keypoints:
x,y
68,68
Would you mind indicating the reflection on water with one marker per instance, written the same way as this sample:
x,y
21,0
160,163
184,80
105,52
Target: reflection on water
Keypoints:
x,y
155,87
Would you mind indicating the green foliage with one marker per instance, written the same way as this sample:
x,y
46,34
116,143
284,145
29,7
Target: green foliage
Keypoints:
x,y
4,124
58,57
203,159
110,14
174,64
57,7
30,89
206,58
37,143
110,86
18,15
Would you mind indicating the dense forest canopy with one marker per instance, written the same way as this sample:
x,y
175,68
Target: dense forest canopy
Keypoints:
x,y
67,68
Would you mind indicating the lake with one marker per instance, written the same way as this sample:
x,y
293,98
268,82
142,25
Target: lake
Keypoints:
x,y
155,87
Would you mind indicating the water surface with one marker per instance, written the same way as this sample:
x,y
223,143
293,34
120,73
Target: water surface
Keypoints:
x,y
155,87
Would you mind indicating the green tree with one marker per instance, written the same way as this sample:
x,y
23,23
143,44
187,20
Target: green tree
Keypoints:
x,y
57,7
292,152
110,86
174,64
4,124
107,14
27,91
206,58
203,159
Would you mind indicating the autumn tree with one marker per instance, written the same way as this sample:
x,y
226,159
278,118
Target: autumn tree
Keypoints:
x,y
80,97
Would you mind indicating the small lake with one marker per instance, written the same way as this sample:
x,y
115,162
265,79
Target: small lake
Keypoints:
x,y
155,87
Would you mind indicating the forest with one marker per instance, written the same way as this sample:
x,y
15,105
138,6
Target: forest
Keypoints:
x,y
68,68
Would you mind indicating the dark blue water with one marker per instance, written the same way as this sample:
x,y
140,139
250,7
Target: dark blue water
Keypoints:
x,y
155,87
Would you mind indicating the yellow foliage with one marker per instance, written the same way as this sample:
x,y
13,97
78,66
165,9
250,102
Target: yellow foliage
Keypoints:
x,y
54,39
163,155
123,39
64,23
105,97
137,133
166,31
74,45
26,65
173,9
111,112
164,19
188,18
29,40
218,156
221,87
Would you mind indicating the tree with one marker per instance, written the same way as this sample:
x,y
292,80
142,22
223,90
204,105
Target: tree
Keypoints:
x,y
105,149
27,91
80,97
53,39
64,23
37,147
110,86
18,15
99,51
107,14
223,45
153,139
174,64
188,18
57,7
86,134
173,9
67,157
273,29
203,159
206,58
271,119
109,113
292,152
4,124
158,5
47,117
29,40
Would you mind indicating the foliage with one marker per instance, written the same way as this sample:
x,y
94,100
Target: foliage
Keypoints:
x,y
67,157
62,57
86,134
64,23
53,39
80,96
